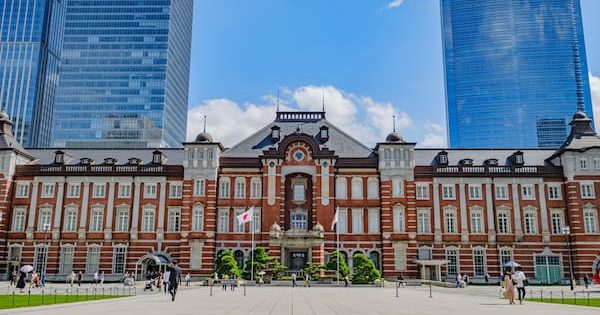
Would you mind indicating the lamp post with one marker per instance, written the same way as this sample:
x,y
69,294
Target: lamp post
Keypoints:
x,y
567,231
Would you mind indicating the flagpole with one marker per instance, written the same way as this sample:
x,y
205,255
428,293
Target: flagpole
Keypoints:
x,y
337,232
252,253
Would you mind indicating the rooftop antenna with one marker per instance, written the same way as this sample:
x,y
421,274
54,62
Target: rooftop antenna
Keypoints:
x,y
394,119
323,98
278,99
204,129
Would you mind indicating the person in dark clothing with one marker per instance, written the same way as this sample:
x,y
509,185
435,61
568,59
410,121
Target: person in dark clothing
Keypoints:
x,y
175,273
21,281
79,277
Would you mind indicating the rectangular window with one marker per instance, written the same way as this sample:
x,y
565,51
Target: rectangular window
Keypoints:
x,y
66,259
448,192
587,190
372,188
223,223
256,189
47,190
341,188
70,219
527,192
373,221
199,187
501,192
450,221
554,192
40,259
119,256
557,220
122,220
73,190
398,219
357,221
505,256
195,255
174,220
476,222
224,189
98,190
422,191
96,220
583,163
18,223
478,262
397,187
198,218
530,223
343,221
148,220
150,190
299,194
124,191
44,219
597,163
357,188
590,221
474,192
92,262
256,221
240,188
452,262
423,222
503,222
237,227
175,191
22,190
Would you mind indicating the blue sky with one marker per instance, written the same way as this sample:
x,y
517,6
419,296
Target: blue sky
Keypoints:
x,y
371,59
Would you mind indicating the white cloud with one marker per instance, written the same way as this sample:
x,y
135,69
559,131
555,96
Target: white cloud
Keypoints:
x,y
394,4
435,136
595,87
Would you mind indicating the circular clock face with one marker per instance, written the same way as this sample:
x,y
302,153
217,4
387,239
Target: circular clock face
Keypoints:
x,y
298,155
272,164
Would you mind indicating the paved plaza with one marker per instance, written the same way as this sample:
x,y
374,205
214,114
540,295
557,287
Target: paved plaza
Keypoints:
x,y
315,300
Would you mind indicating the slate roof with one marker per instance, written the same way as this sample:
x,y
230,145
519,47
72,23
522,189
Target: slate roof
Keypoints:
x,y
424,157
174,156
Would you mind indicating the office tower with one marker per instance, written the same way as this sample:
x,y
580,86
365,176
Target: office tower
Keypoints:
x,y
124,74
515,70
30,42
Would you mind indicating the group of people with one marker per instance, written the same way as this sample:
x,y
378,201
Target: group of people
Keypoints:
x,y
19,280
461,281
169,280
510,281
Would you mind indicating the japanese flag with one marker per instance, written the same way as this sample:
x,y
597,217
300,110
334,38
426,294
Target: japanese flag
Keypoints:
x,y
335,217
246,216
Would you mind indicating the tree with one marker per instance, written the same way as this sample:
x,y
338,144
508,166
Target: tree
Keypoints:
x,y
313,270
364,269
260,262
333,265
226,264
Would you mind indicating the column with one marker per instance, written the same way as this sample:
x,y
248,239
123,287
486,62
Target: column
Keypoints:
x,y
491,218
136,186
58,210
32,210
161,210
543,212
464,227
437,221
517,209
84,210
110,208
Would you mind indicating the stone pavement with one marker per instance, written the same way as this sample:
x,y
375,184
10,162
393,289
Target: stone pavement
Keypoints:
x,y
315,300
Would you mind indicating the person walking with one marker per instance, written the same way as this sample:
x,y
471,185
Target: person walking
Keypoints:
x,y
293,279
224,280
509,287
187,279
43,279
521,280
21,281
102,278
487,279
13,278
586,281
306,280
346,281
96,277
73,277
79,277
165,280
173,277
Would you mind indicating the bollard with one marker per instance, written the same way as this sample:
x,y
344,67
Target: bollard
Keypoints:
x,y
77,295
129,292
54,296
550,296
110,291
430,296
574,297
244,289
28,296
211,288
86,294
588,298
13,301
397,285
542,295
562,296
42,296
95,290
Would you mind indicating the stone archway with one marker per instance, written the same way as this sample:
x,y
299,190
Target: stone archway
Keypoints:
x,y
151,263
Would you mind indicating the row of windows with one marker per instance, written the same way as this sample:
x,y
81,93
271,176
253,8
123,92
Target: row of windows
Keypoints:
x,y
501,192
224,222
357,219
99,190
356,189
239,187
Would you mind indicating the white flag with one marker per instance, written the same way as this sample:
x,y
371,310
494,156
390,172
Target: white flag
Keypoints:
x,y
335,217
246,216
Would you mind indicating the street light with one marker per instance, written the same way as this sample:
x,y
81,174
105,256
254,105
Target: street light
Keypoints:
x,y
567,231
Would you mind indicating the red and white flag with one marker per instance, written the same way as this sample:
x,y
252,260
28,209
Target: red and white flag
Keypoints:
x,y
335,217
246,216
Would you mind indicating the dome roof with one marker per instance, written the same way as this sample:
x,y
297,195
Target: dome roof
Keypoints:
x,y
580,115
4,116
204,137
275,227
394,137
318,227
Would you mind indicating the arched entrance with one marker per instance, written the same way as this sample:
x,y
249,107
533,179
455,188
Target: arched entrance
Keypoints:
x,y
150,264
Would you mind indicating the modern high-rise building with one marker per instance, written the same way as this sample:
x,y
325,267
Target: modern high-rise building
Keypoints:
x,y
515,71
30,42
124,74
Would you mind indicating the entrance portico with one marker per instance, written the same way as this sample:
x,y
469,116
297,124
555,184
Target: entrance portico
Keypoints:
x,y
431,269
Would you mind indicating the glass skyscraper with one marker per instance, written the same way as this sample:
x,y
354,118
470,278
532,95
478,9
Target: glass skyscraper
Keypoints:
x,y
124,74
516,71
30,42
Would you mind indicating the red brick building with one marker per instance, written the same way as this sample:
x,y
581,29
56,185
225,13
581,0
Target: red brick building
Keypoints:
x,y
427,213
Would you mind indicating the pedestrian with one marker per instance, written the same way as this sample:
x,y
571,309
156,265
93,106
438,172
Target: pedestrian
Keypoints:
x,y
586,281
166,277
43,279
346,281
261,281
466,279
187,279
509,287
487,279
79,277
13,278
400,280
21,281
306,280
73,277
457,281
233,282
521,280
102,278
173,277
224,280
96,277
293,279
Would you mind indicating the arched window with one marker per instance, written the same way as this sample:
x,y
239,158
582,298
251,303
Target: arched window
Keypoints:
x,y
374,256
341,188
238,255
198,218
299,220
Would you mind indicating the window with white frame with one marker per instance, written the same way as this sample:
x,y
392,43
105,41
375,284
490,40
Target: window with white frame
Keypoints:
x,y
174,221
124,191
450,220
175,190
476,221
583,163
240,188
501,192
597,163
47,190
448,192
474,192
224,187
357,188
452,261
237,227
342,223
92,262
299,219
530,222
398,219
299,192
557,221
357,221
503,221
199,187
341,188
44,218
18,219
73,190
372,188
223,220
119,258
96,219
397,187
148,219
587,190
255,188
122,219
150,190
423,221
422,191
99,190
527,192
198,217
14,252
256,220
478,262
22,190
67,253
590,220
373,220
554,192
70,224
506,255
40,258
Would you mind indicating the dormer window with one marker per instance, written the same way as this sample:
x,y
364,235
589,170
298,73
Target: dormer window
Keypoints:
x,y
134,161
466,162
518,158
324,133
110,161
442,158
491,162
275,133
157,157
86,161
59,157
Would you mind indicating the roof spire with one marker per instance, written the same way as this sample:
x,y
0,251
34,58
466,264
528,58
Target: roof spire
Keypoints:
x,y
278,99
394,119
323,97
204,129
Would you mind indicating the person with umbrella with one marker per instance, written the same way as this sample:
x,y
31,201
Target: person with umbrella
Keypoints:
x,y
22,275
